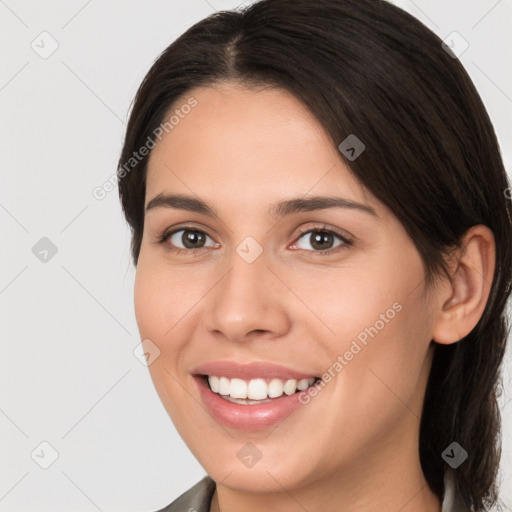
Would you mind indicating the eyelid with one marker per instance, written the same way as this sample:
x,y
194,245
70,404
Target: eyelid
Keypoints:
x,y
193,227
322,226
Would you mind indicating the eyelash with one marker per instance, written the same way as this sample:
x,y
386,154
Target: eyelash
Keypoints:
x,y
164,237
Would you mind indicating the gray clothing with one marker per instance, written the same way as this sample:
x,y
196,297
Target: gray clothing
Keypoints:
x,y
198,498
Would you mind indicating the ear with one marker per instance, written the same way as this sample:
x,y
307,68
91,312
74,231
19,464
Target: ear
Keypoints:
x,y
462,301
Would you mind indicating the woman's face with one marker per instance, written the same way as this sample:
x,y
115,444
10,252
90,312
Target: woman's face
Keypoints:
x,y
267,295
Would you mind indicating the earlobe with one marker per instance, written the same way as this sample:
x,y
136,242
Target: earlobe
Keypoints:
x,y
462,301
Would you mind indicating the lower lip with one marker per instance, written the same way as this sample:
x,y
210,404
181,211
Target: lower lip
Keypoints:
x,y
247,417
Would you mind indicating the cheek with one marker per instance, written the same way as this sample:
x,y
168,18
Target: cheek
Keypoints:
x,y
148,303
384,363
355,304
161,300
382,301
160,307
380,327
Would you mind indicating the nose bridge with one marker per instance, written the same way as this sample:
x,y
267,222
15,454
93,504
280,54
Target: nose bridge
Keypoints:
x,y
243,285
245,298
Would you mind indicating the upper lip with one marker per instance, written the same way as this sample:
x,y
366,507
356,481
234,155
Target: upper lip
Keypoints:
x,y
248,371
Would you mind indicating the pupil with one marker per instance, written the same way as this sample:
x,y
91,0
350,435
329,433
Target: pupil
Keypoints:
x,y
320,240
190,239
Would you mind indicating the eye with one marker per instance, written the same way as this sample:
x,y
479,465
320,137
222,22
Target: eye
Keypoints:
x,y
321,240
191,239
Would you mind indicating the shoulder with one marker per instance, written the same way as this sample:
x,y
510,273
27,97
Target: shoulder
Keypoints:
x,y
197,499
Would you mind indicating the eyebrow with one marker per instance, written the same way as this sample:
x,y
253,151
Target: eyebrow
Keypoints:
x,y
277,210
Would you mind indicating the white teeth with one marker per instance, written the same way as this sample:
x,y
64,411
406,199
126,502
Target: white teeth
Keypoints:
x,y
303,384
256,389
214,383
224,386
238,388
275,388
290,386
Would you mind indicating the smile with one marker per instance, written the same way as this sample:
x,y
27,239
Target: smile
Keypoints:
x,y
256,390
250,396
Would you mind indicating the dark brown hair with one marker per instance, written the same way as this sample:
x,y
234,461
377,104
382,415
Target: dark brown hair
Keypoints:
x,y
367,68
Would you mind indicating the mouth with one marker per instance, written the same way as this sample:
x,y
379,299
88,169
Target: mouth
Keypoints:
x,y
251,396
256,391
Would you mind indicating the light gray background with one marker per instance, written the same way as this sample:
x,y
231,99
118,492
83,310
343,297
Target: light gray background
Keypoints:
x,y
68,373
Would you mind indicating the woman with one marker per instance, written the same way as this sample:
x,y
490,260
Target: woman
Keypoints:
x,y
323,246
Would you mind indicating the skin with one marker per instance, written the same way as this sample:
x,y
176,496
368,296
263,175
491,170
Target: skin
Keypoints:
x,y
356,442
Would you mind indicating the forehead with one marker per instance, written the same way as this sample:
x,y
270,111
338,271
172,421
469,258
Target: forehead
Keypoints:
x,y
257,142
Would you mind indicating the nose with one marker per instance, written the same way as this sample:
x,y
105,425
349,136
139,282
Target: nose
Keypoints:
x,y
248,302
